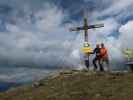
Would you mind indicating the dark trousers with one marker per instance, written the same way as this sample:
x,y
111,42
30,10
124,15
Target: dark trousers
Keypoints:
x,y
95,61
106,61
87,63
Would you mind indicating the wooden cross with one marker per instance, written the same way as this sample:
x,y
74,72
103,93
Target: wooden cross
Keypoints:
x,y
86,27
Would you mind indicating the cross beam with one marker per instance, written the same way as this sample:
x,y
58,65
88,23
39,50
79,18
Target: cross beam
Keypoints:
x,y
86,27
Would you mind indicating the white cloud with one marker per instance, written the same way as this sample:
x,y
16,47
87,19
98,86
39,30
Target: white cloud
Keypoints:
x,y
110,25
48,40
117,7
50,19
45,41
126,36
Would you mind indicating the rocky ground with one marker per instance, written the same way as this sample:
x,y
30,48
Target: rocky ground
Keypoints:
x,y
76,85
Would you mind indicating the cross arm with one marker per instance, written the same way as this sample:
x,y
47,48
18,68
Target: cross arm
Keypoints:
x,y
95,26
87,27
76,28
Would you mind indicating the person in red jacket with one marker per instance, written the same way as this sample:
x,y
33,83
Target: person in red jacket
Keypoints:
x,y
103,57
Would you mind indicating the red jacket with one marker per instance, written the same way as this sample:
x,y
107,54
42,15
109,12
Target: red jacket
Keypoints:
x,y
104,53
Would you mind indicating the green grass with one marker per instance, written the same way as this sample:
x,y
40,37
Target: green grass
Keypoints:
x,y
77,85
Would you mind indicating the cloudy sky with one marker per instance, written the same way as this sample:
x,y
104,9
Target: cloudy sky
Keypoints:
x,y
35,33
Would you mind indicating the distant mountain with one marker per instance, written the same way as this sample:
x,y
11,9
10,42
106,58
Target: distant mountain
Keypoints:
x,y
7,85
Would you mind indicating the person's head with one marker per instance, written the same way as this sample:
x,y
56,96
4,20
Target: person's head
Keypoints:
x,y
102,45
97,46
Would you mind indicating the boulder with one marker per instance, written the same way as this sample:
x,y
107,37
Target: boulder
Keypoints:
x,y
130,65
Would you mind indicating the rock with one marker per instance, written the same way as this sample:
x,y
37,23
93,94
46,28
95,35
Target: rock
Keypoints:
x,y
37,84
130,65
97,95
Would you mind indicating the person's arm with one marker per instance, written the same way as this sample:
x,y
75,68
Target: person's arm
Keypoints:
x,y
94,51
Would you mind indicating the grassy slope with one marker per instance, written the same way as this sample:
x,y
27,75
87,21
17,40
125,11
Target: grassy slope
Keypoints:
x,y
81,85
